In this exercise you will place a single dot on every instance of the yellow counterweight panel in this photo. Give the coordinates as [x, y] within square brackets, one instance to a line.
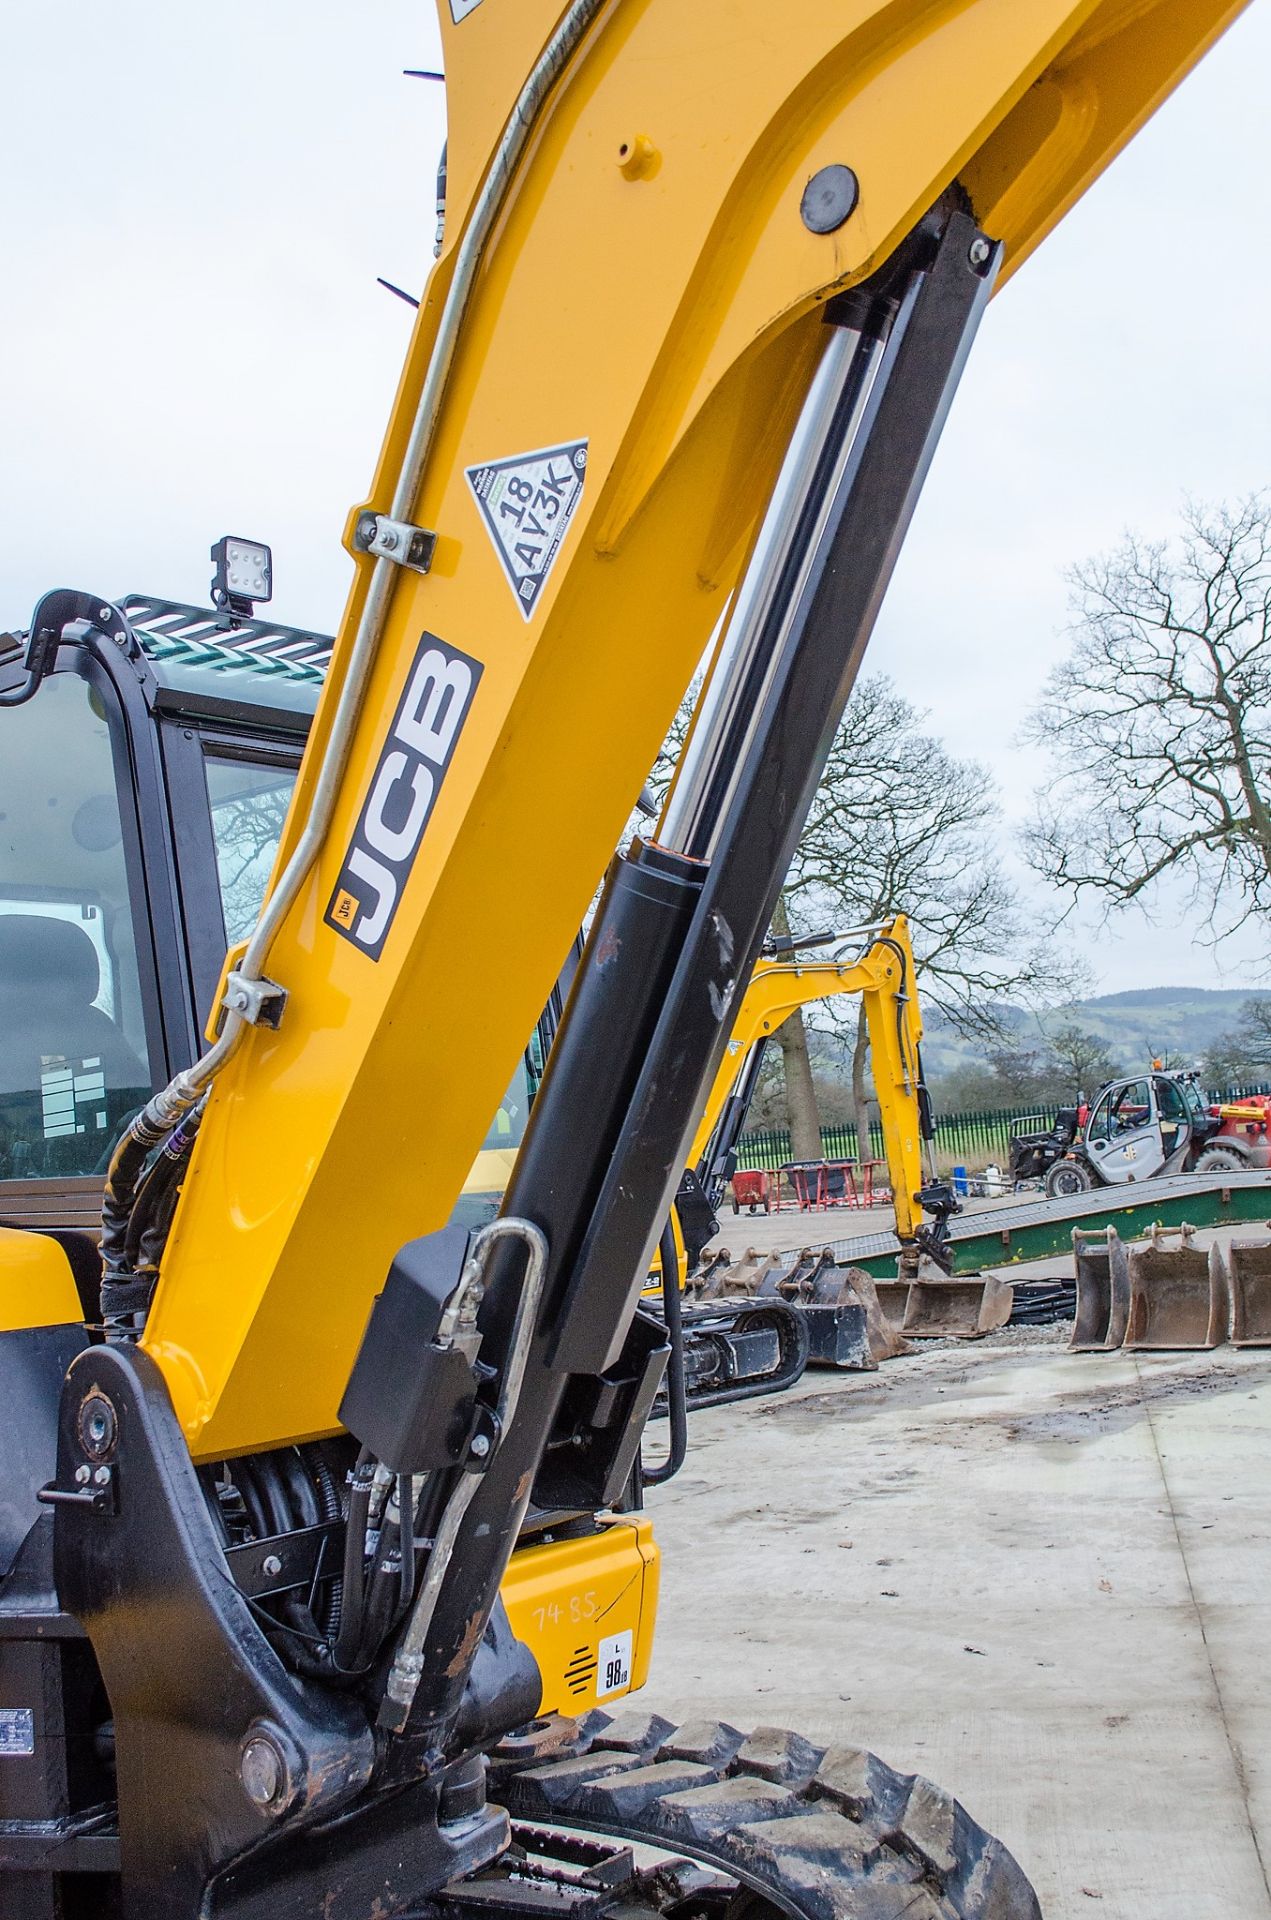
[586, 1608]
[37, 1288]
[667, 317]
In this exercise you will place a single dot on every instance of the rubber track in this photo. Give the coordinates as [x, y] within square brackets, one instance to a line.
[826, 1833]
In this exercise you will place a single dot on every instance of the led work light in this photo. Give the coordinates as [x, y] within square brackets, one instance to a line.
[244, 574]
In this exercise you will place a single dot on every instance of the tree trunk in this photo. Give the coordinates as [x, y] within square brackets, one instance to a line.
[860, 1087]
[805, 1117]
[801, 1104]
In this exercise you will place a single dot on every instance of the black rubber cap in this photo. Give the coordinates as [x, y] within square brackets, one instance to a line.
[829, 199]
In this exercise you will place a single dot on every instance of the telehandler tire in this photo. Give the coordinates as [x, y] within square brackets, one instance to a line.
[1066, 1178]
[1221, 1160]
[816, 1833]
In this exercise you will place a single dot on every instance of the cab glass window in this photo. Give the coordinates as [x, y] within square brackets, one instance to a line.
[73, 1058]
[1170, 1101]
[507, 1129]
[1123, 1110]
[249, 801]
[1131, 1108]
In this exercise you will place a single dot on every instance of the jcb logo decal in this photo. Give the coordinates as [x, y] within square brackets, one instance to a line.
[412, 766]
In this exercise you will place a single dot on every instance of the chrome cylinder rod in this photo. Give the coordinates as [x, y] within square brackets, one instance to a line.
[763, 613]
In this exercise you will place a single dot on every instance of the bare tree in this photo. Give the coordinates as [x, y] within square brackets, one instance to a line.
[899, 825]
[1158, 723]
[1244, 1053]
[1083, 1059]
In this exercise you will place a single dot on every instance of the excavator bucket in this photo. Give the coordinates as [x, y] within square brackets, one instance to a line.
[1178, 1294]
[1249, 1270]
[1103, 1290]
[832, 1310]
[886, 1342]
[960, 1308]
[893, 1298]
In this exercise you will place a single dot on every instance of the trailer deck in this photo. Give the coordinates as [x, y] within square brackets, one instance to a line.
[1037, 1228]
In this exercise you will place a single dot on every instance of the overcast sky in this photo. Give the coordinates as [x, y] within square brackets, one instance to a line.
[196, 203]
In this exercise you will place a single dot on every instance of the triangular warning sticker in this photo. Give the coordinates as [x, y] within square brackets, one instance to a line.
[527, 503]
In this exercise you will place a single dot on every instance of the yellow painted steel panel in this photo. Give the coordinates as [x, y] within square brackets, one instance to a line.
[586, 1609]
[37, 1288]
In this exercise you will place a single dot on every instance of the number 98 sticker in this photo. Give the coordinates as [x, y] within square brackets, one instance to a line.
[527, 503]
[615, 1664]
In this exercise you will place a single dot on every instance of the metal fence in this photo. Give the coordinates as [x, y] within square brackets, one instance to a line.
[973, 1138]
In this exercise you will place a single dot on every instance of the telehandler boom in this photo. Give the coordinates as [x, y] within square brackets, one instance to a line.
[709, 277]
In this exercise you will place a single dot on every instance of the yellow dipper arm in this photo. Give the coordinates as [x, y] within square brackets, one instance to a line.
[884, 977]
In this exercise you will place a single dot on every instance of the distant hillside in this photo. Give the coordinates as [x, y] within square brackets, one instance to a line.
[1134, 1025]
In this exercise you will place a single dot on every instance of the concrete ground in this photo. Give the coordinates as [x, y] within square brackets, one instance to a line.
[1042, 1579]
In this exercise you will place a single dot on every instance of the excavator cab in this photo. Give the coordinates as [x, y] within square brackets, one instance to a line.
[143, 787]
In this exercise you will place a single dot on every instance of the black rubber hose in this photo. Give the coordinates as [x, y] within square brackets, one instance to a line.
[299, 1631]
[151, 1189]
[354, 1577]
[406, 1537]
[676, 1389]
[127, 1164]
[331, 1508]
[154, 1202]
[381, 1598]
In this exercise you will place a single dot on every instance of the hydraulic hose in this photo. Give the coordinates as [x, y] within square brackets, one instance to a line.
[676, 1383]
[353, 1579]
[137, 1209]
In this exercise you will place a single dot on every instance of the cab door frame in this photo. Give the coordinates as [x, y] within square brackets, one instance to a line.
[185, 744]
[1135, 1154]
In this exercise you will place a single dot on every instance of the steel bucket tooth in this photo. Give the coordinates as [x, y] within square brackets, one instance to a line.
[1249, 1270]
[1178, 1294]
[1103, 1290]
[961, 1308]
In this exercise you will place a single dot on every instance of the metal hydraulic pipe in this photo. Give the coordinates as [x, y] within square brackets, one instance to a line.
[788, 541]
[177, 1098]
[408, 1661]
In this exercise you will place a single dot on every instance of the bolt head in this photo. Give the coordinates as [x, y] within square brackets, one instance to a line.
[102, 1477]
[97, 1426]
[978, 251]
[271, 1565]
[262, 1772]
[83, 1475]
[481, 1445]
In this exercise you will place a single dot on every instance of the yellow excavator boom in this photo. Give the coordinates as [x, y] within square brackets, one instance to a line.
[592, 451]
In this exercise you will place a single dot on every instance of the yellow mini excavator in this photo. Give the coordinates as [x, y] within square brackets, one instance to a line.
[321, 1579]
[751, 1326]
